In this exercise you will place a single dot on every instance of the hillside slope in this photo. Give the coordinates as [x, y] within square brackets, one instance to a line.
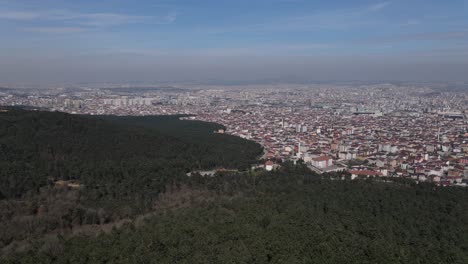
[40, 146]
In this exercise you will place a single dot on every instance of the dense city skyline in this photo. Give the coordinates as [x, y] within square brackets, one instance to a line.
[407, 131]
[240, 131]
[56, 41]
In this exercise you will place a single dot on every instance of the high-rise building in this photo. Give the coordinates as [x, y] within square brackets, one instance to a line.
[298, 128]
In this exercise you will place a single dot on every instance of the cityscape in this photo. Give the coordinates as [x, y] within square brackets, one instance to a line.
[246, 131]
[412, 131]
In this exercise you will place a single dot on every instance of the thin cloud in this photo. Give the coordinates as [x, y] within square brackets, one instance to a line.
[436, 36]
[55, 30]
[169, 19]
[107, 19]
[325, 20]
[378, 6]
[265, 49]
[17, 15]
[86, 19]
[412, 22]
[342, 18]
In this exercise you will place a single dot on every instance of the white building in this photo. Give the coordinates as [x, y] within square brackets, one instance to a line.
[322, 162]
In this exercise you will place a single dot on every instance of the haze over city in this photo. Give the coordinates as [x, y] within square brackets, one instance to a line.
[57, 41]
[260, 131]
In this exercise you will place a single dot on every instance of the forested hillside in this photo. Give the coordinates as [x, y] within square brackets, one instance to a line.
[229, 149]
[129, 200]
[288, 216]
[113, 159]
[60, 171]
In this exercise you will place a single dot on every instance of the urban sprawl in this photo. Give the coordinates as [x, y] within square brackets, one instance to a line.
[418, 132]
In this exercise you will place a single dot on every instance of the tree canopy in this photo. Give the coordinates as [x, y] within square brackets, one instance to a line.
[135, 204]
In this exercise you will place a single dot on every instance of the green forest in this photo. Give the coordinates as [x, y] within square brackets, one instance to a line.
[135, 203]
[37, 147]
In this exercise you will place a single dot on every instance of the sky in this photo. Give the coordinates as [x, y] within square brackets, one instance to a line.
[60, 41]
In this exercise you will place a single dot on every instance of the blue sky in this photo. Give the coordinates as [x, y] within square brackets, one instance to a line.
[221, 39]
